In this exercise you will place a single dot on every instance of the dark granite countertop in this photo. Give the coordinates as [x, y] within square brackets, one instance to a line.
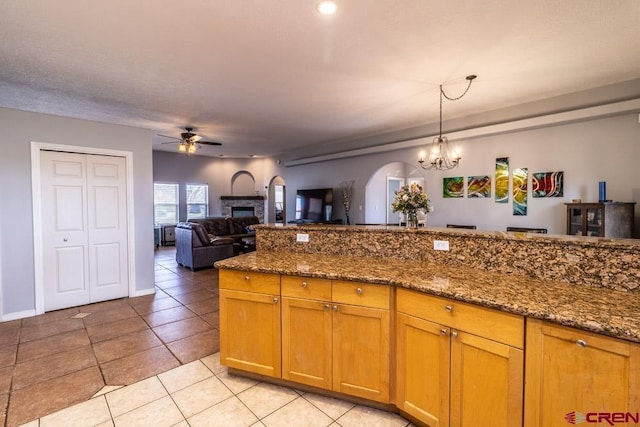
[605, 311]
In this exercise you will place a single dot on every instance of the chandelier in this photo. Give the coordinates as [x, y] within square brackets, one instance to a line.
[440, 156]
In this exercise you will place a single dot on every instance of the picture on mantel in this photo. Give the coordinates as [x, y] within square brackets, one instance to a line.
[502, 180]
[547, 184]
[520, 176]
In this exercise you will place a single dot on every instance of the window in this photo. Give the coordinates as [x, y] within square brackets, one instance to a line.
[165, 203]
[197, 200]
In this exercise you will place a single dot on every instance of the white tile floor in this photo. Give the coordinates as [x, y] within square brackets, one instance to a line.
[201, 393]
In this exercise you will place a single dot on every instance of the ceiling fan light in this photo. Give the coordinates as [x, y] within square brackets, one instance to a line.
[182, 147]
[192, 148]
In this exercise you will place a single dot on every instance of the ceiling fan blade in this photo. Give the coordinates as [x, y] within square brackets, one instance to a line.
[209, 143]
[170, 142]
[166, 136]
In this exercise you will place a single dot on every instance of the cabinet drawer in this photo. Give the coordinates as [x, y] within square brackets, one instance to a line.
[250, 281]
[363, 294]
[306, 287]
[493, 324]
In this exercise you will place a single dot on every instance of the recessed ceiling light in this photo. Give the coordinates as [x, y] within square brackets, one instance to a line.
[327, 7]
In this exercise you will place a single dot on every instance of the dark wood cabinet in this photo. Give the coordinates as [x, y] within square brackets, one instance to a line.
[608, 219]
[168, 235]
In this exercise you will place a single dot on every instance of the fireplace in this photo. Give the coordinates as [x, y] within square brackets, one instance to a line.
[243, 206]
[242, 211]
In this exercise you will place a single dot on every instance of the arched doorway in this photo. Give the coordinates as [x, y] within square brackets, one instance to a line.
[277, 200]
[380, 187]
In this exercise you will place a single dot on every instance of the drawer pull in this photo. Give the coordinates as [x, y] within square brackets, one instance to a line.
[359, 291]
[304, 284]
[443, 331]
[449, 308]
[246, 277]
[581, 343]
[335, 308]
[454, 334]
[326, 306]
[275, 300]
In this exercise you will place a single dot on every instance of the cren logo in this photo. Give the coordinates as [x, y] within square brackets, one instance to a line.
[611, 418]
[575, 417]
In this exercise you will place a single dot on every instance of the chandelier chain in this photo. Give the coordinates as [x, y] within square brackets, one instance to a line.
[463, 93]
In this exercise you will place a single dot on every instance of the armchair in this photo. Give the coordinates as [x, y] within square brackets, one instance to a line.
[195, 249]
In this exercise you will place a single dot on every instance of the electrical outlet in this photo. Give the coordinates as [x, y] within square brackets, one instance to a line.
[441, 245]
[300, 237]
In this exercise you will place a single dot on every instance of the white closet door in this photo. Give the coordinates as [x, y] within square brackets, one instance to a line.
[84, 232]
[107, 224]
[64, 229]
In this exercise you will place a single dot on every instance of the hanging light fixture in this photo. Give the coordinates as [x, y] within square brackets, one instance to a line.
[440, 156]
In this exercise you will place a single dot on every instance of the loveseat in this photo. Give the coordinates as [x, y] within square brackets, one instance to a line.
[195, 249]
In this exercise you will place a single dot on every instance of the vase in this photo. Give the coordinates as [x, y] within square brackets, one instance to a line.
[412, 219]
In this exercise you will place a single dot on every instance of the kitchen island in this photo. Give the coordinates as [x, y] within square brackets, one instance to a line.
[447, 344]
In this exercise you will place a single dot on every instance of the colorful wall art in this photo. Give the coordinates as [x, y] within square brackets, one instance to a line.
[520, 191]
[479, 186]
[502, 180]
[453, 187]
[547, 184]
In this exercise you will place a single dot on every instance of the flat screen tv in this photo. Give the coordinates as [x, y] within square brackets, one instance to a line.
[315, 205]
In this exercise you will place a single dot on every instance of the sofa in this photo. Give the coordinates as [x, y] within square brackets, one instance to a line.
[236, 228]
[196, 249]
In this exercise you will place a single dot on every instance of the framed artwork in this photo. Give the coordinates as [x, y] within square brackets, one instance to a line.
[453, 187]
[479, 186]
[502, 180]
[520, 191]
[547, 184]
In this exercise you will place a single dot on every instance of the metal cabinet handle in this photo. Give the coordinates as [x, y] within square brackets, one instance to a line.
[335, 308]
[449, 308]
[581, 343]
[275, 300]
[454, 334]
[326, 306]
[246, 277]
[443, 331]
[304, 284]
[359, 291]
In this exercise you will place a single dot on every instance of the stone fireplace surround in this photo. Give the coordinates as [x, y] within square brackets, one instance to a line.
[256, 202]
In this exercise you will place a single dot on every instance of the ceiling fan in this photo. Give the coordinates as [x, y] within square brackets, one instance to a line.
[189, 142]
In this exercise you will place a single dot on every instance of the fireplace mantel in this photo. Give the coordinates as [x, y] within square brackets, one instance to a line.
[241, 197]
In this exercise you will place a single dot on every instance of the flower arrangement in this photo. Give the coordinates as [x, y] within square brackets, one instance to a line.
[410, 199]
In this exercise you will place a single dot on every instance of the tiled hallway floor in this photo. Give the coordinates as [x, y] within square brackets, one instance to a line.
[147, 361]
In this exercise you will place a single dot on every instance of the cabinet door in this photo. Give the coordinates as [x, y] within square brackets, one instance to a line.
[486, 382]
[250, 332]
[571, 374]
[422, 369]
[306, 342]
[361, 352]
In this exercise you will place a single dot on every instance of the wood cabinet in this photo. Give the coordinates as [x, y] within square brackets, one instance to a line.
[335, 335]
[361, 333]
[250, 321]
[580, 375]
[458, 364]
[307, 331]
[168, 235]
[600, 219]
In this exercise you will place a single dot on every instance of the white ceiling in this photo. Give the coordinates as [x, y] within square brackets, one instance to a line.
[270, 76]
